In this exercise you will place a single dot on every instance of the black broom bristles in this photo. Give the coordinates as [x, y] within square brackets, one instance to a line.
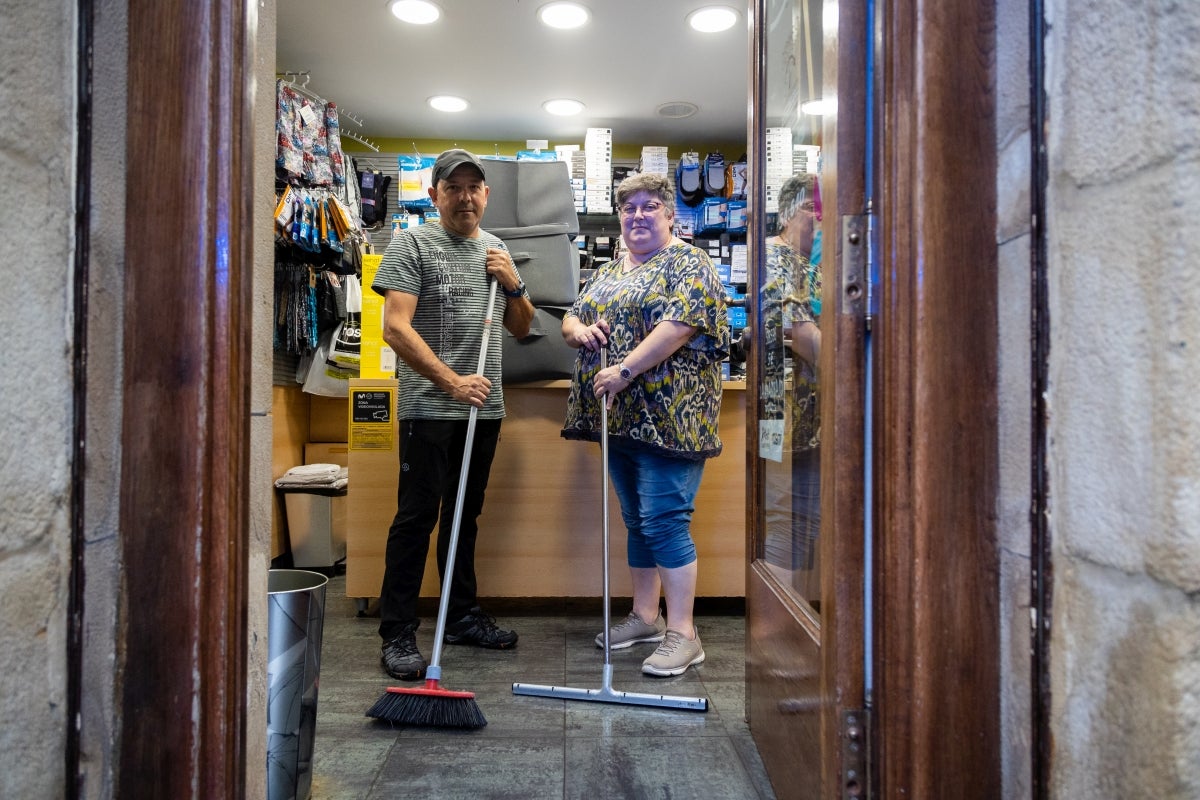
[429, 707]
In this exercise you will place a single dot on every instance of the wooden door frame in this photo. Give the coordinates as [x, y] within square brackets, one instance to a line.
[843, 356]
[937, 643]
[184, 498]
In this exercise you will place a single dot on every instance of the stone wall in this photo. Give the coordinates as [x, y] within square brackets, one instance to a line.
[262, 489]
[1124, 414]
[37, 62]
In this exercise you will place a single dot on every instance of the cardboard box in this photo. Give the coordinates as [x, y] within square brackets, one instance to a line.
[327, 453]
[326, 418]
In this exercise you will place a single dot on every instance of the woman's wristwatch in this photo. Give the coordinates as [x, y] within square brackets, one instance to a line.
[626, 373]
[517, 292]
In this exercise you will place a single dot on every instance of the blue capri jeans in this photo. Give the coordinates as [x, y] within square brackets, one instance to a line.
[657, 495]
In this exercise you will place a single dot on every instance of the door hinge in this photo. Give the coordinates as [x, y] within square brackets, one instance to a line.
[854, 264]
[856, 754]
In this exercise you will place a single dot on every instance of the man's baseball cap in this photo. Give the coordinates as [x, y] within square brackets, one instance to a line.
[451, 160]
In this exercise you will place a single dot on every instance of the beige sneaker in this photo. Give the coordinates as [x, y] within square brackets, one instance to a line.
[674, 655]
[632, 630]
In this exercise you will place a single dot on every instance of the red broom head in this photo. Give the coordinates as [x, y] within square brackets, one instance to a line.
[431, 689]
[428, 706]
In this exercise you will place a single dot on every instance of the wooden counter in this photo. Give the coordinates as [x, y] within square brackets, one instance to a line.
[541, 527]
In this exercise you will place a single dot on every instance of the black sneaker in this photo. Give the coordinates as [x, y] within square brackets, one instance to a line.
[401, 659]
[480, 629]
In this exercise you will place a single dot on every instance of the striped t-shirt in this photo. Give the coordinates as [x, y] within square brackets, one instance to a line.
[448, 273]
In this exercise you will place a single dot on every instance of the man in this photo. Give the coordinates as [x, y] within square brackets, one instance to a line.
[434, 279]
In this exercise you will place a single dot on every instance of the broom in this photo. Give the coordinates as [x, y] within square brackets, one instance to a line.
[431, 705]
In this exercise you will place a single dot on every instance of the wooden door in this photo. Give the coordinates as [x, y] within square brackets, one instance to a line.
[907, 707]
[805, 574]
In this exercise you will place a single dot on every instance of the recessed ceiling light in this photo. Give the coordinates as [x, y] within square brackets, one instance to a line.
[818, 108]
[712, 19]
[446, 102]
[418, 12]
[563, 15]
[563, 108]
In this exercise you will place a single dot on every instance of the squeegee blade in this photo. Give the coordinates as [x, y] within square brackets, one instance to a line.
[607, 695]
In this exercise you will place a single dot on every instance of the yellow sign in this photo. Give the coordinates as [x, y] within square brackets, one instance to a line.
[378, 360]
[372, 417]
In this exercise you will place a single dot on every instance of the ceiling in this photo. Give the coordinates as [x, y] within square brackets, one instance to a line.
[632, 57]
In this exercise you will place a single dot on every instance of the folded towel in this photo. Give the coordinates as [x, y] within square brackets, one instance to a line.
[306, 470]
[331, 476]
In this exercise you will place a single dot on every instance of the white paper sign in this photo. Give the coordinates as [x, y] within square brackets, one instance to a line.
[770, 439]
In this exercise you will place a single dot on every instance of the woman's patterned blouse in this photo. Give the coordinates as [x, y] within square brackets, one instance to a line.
[672, 407]
[794, 278]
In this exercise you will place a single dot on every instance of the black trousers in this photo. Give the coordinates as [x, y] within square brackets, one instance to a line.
[431, 455]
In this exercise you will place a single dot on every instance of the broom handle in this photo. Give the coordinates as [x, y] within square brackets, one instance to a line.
[434, 671]
[604, 506]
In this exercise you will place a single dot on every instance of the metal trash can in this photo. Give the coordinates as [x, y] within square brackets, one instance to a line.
[295, 616]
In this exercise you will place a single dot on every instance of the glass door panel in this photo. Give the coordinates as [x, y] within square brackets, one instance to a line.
[789, 302]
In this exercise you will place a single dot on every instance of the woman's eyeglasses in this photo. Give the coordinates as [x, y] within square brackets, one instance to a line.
[648, 210]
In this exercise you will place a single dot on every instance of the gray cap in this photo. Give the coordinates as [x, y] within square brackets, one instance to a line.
[451, 160]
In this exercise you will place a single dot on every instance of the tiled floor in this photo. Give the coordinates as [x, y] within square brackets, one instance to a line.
[535, 748]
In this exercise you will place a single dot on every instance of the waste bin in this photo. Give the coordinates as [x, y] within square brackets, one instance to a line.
[295, 616]
[316, 521]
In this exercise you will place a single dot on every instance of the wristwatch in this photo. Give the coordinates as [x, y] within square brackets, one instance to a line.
[517, 292]
[626, 373]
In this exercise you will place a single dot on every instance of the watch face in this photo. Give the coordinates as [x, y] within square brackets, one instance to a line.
[626, 373]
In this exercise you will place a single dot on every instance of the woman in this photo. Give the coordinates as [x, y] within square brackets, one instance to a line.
[659, 308]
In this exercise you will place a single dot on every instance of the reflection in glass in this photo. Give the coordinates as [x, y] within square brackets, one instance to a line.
[789, 307]
[787, 340]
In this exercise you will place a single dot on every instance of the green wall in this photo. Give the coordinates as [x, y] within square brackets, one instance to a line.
[731, 150]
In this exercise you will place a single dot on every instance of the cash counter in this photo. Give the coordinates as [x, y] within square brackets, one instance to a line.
[542, 523]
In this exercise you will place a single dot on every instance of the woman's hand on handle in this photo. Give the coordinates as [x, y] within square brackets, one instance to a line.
[593, 337]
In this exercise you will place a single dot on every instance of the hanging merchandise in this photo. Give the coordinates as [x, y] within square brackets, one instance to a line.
[347, 336]
[337, 162]
[318, 236]
[309, 140]
[735, 179]
[714, 175]
[688, 181]
[289, 155]
[735, 218]
[302, 144]
[373, 186]
[711, 215]
[302, 233]
[296, 323]
[416, 178]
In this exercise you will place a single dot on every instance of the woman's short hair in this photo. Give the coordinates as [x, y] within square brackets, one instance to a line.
[658, 186]
[796, 193]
